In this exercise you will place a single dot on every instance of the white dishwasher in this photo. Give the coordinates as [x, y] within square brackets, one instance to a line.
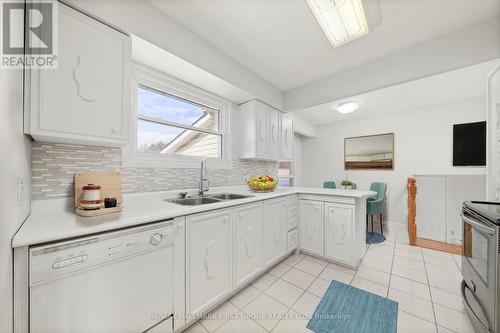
[120, 281]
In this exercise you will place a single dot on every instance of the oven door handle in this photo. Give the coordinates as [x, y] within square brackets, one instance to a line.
[466, 302]
[479, 226]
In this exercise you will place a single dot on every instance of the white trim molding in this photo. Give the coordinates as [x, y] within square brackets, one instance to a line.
[155, 79]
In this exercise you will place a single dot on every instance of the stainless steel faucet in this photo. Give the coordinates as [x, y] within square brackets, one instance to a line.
[203, 178]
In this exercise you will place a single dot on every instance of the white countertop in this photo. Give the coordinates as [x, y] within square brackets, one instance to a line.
[53, 220]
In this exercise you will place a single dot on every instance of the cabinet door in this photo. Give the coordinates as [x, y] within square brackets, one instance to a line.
[312, 226]
[286, 145]
[261, 127]
[274, 133]
[248, 231]
[275, 229]
[209, 263]
[86, 98]
[339, 240]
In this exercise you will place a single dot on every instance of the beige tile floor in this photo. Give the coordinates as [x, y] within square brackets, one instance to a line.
[424, 282]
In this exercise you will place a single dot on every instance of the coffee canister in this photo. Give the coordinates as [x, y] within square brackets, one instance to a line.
[91, 197]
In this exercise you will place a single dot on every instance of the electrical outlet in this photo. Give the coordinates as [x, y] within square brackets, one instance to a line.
[20, 190]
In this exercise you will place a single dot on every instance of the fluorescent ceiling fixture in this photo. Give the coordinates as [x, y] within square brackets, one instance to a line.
[347, 107]
[343, 20]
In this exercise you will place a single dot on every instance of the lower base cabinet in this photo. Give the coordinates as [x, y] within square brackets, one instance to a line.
[227, 248]
[248, 231]
[209, 259]
[327, 230]
[339, 240]
[312, 226]
[275, 230]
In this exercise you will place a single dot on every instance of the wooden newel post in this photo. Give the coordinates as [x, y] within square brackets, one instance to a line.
[412, 210]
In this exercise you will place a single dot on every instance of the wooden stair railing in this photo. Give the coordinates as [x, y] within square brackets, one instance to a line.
[412, 211]
[412, 225]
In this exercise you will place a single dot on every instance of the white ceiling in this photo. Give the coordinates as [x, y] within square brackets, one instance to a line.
[281, 41]
[468, 82]
[151, 55]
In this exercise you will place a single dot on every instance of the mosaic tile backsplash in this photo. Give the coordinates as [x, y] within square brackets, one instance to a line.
[54, 165]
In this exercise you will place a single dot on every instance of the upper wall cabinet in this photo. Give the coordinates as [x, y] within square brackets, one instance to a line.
[87, 98]
[264, 133]
[286, 146]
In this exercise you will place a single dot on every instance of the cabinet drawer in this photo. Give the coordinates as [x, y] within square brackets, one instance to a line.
[292, 240]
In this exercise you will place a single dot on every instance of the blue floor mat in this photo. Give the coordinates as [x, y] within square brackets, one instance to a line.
[348, 309]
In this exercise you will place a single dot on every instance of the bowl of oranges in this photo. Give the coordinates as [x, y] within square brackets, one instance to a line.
[262, 184]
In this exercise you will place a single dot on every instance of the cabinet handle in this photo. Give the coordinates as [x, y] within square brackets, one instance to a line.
[276, 238]
[260, 130]
[211, 263]
[316, 208]
[249, 242]
[226, 220]
[273, 133]
[341, 240]
[240, 215]
[114, 129]
[286, 137]
[311, 231]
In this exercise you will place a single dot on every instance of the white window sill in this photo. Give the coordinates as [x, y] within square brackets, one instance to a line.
[146, 160]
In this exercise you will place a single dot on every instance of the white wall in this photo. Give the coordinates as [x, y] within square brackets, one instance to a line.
[297, 161]
[15, 149]
[423, 145]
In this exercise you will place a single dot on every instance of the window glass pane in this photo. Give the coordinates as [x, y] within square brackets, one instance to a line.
[153, 103]
[284, 169]
[284, 182]
[163, 139]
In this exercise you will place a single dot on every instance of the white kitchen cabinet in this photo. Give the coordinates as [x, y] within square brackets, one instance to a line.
[274, 132]
[275, 230]
[209, 259]
[262, 134]
[339, 240]
[87, 98]
[248, 241]
[312, 221]
[286, 130]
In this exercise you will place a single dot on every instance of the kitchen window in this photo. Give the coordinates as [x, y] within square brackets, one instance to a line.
[176, 124]
[285, 176]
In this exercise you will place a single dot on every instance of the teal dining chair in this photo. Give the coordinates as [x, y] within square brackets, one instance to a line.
[375, 204]
[329, 184]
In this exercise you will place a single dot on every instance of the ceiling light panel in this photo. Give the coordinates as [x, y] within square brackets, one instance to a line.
[341, 20]
[347, 107]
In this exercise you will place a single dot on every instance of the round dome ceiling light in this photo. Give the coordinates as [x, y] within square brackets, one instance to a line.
[347, 107]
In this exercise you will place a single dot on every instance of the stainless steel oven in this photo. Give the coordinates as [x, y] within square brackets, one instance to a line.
[480, 264]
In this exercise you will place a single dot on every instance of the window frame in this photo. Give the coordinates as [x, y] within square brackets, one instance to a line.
[154, 79]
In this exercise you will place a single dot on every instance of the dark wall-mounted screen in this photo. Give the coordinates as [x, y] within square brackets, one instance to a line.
[469, 144]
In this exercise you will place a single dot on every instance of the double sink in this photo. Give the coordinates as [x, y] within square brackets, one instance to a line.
[208, 199]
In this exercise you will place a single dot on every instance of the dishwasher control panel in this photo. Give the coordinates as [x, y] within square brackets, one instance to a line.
[52, 261]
